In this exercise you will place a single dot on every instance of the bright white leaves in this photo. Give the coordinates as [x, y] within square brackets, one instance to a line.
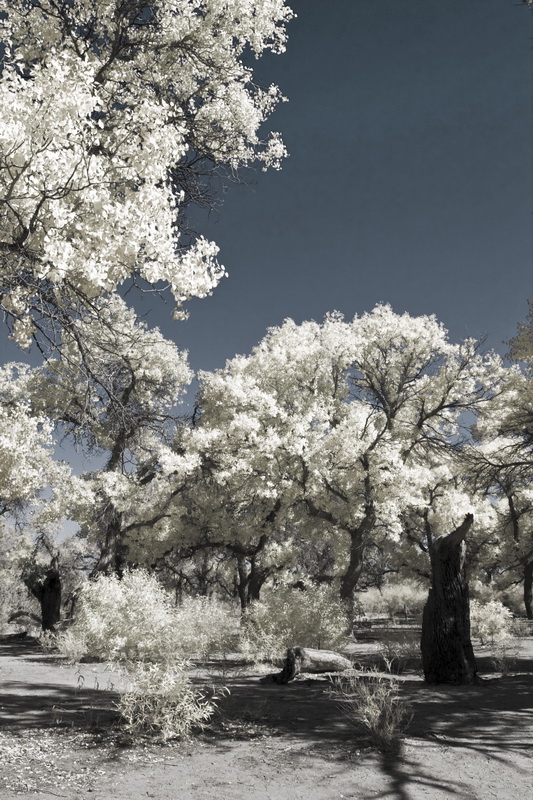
[114, 389]
[101, 102]
[345, 414]
[27, 466]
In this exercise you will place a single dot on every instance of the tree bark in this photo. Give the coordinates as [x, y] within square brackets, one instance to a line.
[251, 574]
[358, 541]
[447, 653]
[51, 599]
[305, 659]
[113, 555]
[528, 589]
[47, 591]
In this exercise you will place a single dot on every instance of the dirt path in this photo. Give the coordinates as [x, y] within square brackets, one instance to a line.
[269, 743]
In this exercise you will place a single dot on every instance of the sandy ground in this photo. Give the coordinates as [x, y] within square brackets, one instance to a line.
[268, 743]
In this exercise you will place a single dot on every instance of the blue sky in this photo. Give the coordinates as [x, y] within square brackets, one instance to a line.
[409, 125]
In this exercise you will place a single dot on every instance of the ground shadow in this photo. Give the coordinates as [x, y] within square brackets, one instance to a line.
[47, 705]
[31, 703]
[493, 718]
[19, 645]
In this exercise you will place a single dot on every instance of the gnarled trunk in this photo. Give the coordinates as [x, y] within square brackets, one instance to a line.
[358, 541]
[47, 591]
[113, 556]
[51, 599]
[447, 653]
[251, 576]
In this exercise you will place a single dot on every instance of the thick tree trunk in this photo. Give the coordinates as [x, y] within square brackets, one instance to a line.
[251, 574]
[113, 556]
[47, 591]
[51, 599]
[258, 576]
[528, 589]
[305, 659]
[242, 582]
[447, 653]
[358, 540]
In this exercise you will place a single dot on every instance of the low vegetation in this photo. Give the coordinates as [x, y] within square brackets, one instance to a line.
[372, 703]
[314, 617]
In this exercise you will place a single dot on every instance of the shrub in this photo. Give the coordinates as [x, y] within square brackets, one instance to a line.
[511, 596]
[206, 626]
[504, 657]
[373, 704]
[134, 619]
[14, 597]
[521, 628]
[393, 599]
[162, 703]
[490, 622]
[315, 617]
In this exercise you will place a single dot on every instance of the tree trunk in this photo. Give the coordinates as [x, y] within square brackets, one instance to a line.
[51, 598]
[528, 589]
[47, 591]
[242, 581]
[305, 659]
[113, 556]
[447, 653]
[358, 540]
[251, 575]
[258, 576]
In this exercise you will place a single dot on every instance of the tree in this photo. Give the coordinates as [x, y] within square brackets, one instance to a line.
[115, 114]
[502, 463]
[36, 491]
[208, 529]
[339, 420]
[43, 581]
[113, 390]
[447, 653]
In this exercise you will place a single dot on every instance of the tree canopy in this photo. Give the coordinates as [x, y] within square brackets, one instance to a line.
[115, 113]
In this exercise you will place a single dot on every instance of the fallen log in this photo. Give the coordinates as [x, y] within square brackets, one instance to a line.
[304, 659]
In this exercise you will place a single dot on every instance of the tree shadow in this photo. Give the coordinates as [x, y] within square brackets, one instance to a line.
[15, 645]
[25, 706]
[493, 718]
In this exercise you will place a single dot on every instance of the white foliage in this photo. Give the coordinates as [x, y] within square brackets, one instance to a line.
[27, 466]
[101, 101]
[347, 415]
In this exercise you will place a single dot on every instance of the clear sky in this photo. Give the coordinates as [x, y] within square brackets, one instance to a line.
[409, 126]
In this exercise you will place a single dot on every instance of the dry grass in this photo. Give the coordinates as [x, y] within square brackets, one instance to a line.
[372, 703]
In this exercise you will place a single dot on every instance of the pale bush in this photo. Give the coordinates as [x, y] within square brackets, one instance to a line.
[162, 703]
[206, 626]
[134, 619]
[372, 702]
[286, 618]
[395, 598]
[15, 597]
[490, 622]
[511, 596]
